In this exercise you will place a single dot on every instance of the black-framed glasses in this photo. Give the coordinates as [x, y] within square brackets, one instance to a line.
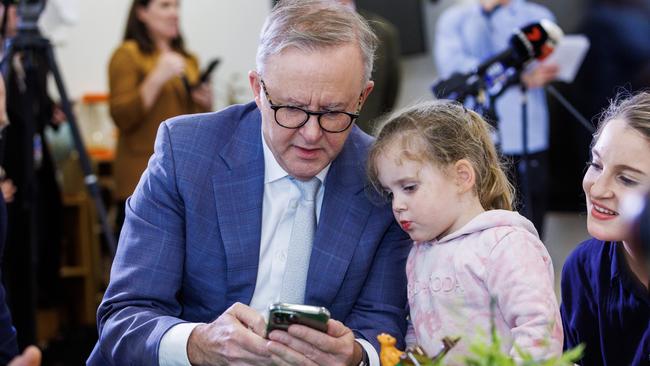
[293, 117]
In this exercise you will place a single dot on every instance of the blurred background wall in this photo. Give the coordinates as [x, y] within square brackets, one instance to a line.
[212, 28]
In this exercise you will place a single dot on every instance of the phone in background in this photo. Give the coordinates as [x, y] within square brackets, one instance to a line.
[282, 315]
[205, 74]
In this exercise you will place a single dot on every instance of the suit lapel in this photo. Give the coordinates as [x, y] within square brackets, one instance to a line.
[238, 192]
[343, 217]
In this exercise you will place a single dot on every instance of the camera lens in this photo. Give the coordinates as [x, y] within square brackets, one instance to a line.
[278, 318]
[293, 318]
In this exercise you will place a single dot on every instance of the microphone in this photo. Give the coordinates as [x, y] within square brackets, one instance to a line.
[534, 41]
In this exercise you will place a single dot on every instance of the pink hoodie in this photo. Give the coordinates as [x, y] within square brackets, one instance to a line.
[450, 282]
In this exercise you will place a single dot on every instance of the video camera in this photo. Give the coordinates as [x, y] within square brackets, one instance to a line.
[40, 57]
[28, 12]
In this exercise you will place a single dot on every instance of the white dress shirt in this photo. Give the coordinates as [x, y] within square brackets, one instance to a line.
[279, 205]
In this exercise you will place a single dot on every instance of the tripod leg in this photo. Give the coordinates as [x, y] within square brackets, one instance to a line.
[523, 166]
[89, 177]
[565, 103]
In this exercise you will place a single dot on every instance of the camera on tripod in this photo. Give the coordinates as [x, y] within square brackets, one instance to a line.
[28, 13]
[40, 62]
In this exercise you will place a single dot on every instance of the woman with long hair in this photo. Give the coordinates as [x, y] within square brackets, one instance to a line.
[152, 78]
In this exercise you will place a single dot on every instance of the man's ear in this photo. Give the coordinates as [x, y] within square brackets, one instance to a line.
[366, 91]
[465, 175]
[254, 81]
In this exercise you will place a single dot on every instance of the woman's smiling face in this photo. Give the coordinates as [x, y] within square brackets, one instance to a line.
[620, 166]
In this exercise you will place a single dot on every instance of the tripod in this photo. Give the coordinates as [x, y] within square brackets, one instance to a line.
[29, 39]
[31, 46]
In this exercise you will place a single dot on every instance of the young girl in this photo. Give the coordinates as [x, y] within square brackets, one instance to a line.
[436, 163]
[605, 297]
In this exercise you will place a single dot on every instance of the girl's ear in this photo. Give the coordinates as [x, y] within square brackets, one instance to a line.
[465, 175]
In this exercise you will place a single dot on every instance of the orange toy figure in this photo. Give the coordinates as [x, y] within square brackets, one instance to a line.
[389, 354]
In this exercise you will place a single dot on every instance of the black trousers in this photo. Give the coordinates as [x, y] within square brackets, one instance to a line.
[530, 178]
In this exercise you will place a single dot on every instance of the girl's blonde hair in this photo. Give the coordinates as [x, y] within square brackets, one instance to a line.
[442, 133]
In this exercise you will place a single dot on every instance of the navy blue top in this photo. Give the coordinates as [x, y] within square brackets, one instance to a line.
[605, 306]
[643, 352]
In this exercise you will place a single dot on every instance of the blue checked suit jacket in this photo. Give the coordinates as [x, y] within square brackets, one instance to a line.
[189, 248]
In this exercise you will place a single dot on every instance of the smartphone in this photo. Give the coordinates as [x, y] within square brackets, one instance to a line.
[282, 315]
[205, 75]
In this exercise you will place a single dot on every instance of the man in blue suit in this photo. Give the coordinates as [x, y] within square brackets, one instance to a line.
[204, 246]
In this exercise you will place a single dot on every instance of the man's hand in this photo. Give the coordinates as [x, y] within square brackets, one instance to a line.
[302, 345]
[30, 357]
[235, 338]
[539, 76]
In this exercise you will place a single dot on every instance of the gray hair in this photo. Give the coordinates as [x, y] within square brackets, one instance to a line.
[309, 25]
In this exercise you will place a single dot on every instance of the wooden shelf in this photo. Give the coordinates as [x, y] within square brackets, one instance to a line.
[81, 264]
[73, 271]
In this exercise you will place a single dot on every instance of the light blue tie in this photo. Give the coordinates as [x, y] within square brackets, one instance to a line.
[300, 244]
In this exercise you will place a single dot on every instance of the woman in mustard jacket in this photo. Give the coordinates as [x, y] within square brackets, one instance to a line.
[152, 78]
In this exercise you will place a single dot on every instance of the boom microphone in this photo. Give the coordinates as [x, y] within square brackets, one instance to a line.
[534, 41]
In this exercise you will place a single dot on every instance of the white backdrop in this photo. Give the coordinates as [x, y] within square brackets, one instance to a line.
[228, 29]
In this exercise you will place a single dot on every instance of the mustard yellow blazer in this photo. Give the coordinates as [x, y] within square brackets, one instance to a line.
[137, 128]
